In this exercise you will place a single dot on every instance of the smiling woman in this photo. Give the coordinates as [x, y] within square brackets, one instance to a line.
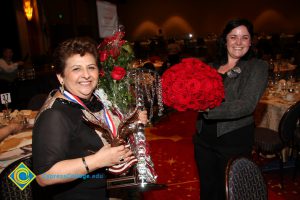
[80, 75]
[228, 130]
[238, 43]
[63, 141]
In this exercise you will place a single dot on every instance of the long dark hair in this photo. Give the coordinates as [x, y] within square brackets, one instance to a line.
[222, 48]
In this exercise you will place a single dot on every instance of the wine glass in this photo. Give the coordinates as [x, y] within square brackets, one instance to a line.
[290, 83]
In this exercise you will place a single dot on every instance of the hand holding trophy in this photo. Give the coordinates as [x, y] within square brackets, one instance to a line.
[123, 92]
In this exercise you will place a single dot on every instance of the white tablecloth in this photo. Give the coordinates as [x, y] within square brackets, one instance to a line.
[272, 107]
[15, 147]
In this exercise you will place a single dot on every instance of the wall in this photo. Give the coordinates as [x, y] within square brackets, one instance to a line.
[61, 19]
[177, 18]
[9, 33]
[70, 18]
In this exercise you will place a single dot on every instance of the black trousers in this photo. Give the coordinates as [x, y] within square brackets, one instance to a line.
[212, 156]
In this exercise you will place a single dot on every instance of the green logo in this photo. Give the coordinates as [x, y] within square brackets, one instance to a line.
[22, 176]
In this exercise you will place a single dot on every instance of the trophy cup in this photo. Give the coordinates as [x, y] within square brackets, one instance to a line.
[141, 173]
[124, 91]
[138, 172]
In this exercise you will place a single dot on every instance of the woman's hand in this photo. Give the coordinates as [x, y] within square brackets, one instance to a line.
[143, 117]
[204, 111]
[9, 129]
[15, 127]
[109, 155]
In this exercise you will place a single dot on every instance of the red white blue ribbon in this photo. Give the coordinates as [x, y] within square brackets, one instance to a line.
[108, 118]
[74, 99]
[109, 121]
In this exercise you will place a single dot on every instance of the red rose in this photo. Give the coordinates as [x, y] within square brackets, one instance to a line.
[115, 52]
[101, 73]
[193, 85]
[118, 73]
[103, 56]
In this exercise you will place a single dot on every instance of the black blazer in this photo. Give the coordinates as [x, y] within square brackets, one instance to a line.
[241, 97]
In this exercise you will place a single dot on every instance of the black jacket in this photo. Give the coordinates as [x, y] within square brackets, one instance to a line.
[241, 97]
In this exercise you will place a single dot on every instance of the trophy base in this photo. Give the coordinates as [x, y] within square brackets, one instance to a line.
[121, 182]
[127, 188]
[130, 183]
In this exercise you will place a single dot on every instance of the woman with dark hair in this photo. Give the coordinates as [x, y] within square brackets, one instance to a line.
[228, 130]
[69, 155]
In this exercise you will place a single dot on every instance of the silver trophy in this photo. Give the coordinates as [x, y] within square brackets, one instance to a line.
[146, 85]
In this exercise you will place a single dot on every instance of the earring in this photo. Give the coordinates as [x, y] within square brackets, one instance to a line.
[62, 89]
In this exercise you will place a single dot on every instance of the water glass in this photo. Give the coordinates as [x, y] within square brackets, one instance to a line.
[6, 114]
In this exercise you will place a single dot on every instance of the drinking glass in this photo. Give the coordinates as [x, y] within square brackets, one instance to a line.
[6, 114]
[291, 82]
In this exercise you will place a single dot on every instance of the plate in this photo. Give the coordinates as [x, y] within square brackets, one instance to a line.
[25, 112]
[9, 155]
[16, 141]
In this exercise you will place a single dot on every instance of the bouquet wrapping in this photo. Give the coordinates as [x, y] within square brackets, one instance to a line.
[116, 56]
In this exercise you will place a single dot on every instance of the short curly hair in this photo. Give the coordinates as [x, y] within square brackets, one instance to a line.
[70, 47]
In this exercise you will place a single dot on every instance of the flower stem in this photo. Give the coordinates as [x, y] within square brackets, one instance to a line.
[114, 92]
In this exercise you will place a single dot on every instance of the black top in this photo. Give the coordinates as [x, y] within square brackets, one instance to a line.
[207, 133]
[60, 133]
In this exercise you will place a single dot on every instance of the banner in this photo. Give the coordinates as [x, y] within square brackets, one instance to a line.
[107, 18]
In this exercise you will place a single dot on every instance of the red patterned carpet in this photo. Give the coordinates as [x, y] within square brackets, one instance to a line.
[172, 153]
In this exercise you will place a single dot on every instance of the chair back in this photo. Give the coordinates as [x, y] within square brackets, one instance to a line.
[288, 123]
[244, 180]
[8, 189]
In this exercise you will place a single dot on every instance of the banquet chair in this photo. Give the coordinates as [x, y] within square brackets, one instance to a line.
[270, 142]
[297, 150]
[244, 180]
[9, 190]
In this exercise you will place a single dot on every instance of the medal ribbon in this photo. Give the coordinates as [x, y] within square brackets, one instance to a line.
[108, 119]
[74, 99]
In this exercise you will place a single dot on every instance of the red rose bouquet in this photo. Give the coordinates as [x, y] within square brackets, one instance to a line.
[116, 56]
[192, 85]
